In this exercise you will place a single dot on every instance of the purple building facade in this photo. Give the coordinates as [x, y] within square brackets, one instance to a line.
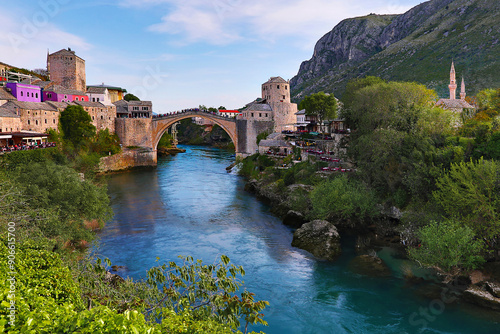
[49, 95]
[25, 92]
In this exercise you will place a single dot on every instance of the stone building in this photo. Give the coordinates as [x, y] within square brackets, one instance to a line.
[454, 104]
[133, 109]
[58, 93]
[115, 93]
[34, 116]
[99, 94]
[274, 105]
[102, 116]
[6, 96]
[66, 69]
[10, 121]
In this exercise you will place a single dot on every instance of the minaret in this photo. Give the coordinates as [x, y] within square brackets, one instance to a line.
[462, 90]
[48, 64]
[453, 83]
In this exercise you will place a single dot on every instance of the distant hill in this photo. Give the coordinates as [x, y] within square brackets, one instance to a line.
[418, 45]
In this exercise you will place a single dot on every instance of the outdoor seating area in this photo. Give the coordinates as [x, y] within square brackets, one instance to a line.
[25, 147]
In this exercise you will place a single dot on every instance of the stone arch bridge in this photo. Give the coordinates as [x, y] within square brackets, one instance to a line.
[146, 132]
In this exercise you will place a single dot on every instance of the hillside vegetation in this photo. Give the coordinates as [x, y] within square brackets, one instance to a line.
[418, 45]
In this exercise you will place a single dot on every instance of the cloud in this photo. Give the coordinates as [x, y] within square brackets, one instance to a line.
[226, 21]
[25, 37]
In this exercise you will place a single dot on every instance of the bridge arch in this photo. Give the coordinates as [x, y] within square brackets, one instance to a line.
[161, 124]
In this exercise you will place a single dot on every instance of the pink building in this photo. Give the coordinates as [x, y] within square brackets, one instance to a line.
[61, 94]
[25, 92]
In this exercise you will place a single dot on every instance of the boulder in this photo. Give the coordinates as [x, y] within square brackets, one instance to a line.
[480, 297]
[294, 219]
[369, 265]
[493, 288]
[320, 238]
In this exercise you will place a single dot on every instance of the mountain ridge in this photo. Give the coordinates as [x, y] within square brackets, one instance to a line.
[418, 45]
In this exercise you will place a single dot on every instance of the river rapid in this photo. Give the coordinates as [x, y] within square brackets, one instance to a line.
[190, 205]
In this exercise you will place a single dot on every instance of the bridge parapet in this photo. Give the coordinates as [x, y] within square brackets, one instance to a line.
[189, 114]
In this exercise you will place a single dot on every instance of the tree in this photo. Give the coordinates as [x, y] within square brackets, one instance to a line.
[321, 105]
[356, 84]
[470, 192]
[131, 97]
[76, 125]
[449, 246]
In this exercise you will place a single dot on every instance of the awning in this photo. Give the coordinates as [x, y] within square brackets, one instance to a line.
[5, 136]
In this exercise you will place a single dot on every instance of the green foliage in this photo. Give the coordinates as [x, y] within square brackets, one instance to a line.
[449, 246]
[356, 84]
[208, 291]
[262, 135]
[251, 166]
[470, 192]
[345, 198]
[131, 97]
[105, 143]
[321, 105]
[165, 140]
[76, 125]
[15, 159]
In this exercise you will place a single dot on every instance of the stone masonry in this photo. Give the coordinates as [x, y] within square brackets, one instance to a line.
[67, 70]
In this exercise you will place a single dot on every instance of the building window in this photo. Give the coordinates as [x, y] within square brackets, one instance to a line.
[101, 117]
[97, 99]
[93, 99]
[45, 121]
[283, 97]
[92, 117]
[54, 121]
[260, 114]
[286, 87]
[252, 114]
[36, 122]
[21, 93]
[278, 86]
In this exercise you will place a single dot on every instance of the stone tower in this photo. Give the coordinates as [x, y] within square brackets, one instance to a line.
[67, 69]
[453, 83]
[462, 90]
[276, 92]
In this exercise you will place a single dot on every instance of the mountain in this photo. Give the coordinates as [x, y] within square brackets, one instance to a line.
[418, 45]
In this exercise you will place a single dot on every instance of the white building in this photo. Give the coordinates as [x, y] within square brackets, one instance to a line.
[99, 94]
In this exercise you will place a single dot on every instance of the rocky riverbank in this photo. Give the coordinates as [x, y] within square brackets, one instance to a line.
[322, 239]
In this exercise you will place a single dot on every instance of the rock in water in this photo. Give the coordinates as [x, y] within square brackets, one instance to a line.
[320, 238]
[369, 265]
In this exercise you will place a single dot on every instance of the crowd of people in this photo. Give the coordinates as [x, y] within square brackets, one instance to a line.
[183, 111]
[25, 146]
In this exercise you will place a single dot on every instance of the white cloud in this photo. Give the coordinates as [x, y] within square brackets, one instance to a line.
[226, 21]
[24, 42]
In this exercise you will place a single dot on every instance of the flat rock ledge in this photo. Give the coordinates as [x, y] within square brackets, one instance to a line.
[320, 238]
[482, 297]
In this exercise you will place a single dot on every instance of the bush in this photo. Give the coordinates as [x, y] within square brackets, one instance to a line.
[449, 246]
[343, 198]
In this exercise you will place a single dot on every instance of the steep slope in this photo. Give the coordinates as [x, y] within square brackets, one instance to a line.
[416, 46]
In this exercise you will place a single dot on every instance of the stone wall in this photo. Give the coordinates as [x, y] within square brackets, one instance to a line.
[39, 120]
[128, 159]
[247, 135]
[10, 124]
[284, 115]
[103, 117]
[67, 70]
[134, 131]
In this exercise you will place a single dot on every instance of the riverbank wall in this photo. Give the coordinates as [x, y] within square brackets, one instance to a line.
[128, 159]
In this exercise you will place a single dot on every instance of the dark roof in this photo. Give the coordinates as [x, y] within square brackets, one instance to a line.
[108, 87]
[43, 84]
[33, 105]
[276, 80]
[6, 95]
[258, 106]
[58, 105]
[61, 90]
[65, 52]
[96, 90]
[8, 110]
[454, 104]
[90, 104]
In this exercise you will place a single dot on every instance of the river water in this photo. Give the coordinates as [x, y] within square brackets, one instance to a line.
[190, 205]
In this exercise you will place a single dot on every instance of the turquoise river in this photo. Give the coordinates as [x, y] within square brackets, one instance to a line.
[190, 205]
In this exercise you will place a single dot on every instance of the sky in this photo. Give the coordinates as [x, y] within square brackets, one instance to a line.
[179, 53]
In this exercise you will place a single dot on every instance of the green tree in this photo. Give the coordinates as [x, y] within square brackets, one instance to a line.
[131, 97]
[470, 192]
[354, 85]
[76, 125]
[448, 246]
[321, 105]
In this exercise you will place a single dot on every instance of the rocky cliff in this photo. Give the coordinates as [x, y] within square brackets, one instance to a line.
[415, 46]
